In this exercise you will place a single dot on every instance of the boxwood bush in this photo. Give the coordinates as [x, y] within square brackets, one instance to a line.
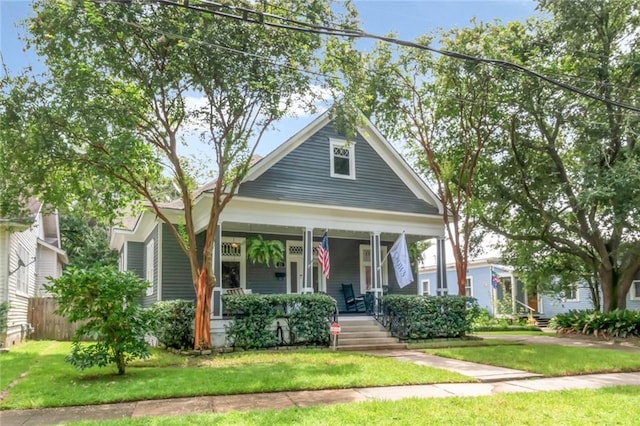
[617, 323]
[428, 317]
[173, 323]
[254, 316]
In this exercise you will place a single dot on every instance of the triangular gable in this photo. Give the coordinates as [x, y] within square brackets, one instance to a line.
[372, 136]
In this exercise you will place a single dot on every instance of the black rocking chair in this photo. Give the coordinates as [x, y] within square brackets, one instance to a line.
[352, 303]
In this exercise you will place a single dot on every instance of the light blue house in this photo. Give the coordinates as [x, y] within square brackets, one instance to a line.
[505, 293]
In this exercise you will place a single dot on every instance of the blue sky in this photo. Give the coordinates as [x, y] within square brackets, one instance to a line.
[408, 19]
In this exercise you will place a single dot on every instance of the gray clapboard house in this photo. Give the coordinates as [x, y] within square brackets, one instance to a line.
[361, 192]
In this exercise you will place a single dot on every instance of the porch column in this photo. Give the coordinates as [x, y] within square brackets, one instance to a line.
[307, 248]
[441, 267]
[376, 268]
[216, 302]
[514, 294]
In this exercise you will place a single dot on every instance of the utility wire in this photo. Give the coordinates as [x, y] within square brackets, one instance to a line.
[252, 16]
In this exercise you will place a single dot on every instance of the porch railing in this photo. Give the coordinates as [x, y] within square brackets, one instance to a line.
[527, 307]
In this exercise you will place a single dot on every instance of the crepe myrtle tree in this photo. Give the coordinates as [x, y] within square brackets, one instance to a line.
[127, 85]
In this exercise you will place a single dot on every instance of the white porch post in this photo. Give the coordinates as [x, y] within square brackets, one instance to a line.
[514, 294]
[216, 311]
[376, 268]
[307, 249]
[441, 265]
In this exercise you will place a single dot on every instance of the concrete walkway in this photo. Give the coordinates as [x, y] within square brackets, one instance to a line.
[282, 400]
[493, 380]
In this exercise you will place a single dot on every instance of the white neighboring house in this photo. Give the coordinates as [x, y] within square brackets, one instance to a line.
[30, 251]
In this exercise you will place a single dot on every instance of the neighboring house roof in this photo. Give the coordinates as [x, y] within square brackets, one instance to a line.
[31, 208]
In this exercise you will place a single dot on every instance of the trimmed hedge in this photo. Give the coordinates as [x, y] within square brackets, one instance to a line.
[428, 317]
[252, 327]
[617, 323]
[173, 323]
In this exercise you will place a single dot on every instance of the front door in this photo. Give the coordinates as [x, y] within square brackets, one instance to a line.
[295, 270]
[532, 301]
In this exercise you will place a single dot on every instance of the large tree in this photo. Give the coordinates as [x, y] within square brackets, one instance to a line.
[129, 84]
[567, 176]
[444, 110]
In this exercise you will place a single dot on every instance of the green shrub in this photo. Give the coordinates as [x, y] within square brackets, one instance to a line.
[427, 317]
[254, 315]
[484, 321]
[617, 323]
[105, 300]
[173, 323]
[309, 317]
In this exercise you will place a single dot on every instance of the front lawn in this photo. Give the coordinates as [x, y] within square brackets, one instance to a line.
[460, 343]
[549, 360]
[607, 406]
[50, 382]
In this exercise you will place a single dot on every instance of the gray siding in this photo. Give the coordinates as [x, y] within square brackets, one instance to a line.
[148, 300]
[345, 268]
[304, 176]
[176, 270]
[135, 258]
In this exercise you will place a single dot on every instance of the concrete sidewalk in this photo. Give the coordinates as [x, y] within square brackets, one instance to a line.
[494, 380]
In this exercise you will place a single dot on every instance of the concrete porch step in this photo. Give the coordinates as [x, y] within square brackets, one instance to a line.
[363, 329]
[364, 334]
[366, 341]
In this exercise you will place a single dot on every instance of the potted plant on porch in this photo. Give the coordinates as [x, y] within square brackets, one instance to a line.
[268, 252]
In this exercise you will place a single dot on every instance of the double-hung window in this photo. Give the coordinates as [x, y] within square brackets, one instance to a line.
[342, 159]
[150, 266]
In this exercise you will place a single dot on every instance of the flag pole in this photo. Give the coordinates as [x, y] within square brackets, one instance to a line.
[384, 259]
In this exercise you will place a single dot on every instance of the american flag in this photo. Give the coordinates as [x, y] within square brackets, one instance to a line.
[323, 255]
[494, 278]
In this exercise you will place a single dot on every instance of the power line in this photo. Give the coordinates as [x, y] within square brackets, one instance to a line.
[255, 17]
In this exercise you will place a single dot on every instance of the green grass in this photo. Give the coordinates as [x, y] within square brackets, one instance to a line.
[607, 406]
[549, 360]
[50, 382]
[513, 333]
[16, 362]
[457, 343]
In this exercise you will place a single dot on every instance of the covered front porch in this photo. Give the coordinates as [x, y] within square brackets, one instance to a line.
[359, 242]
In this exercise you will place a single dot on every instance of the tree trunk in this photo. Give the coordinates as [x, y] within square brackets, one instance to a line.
[461, 271]
[202, 338]
[612, 296]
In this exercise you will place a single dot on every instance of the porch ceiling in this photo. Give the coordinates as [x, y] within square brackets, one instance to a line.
[317, 232]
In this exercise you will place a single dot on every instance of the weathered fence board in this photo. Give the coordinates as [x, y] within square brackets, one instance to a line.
[46, 324]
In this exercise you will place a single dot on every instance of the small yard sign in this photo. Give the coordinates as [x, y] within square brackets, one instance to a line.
[335, 328]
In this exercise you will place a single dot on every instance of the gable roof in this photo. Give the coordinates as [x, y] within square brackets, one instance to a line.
[30, 210]
[375, 139]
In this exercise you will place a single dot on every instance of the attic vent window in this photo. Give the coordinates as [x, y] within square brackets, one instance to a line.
[342, 159]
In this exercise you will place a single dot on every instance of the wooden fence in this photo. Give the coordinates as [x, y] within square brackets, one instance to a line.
[46, 324]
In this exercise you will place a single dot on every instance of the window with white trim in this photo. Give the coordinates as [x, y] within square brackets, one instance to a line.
[468, 287]
[149, 269]
[366, 281]
[635, 290]
[22, 276]
[343, 163]
[570, 294]
[424, 285]
[441, 290]
[233, 257]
